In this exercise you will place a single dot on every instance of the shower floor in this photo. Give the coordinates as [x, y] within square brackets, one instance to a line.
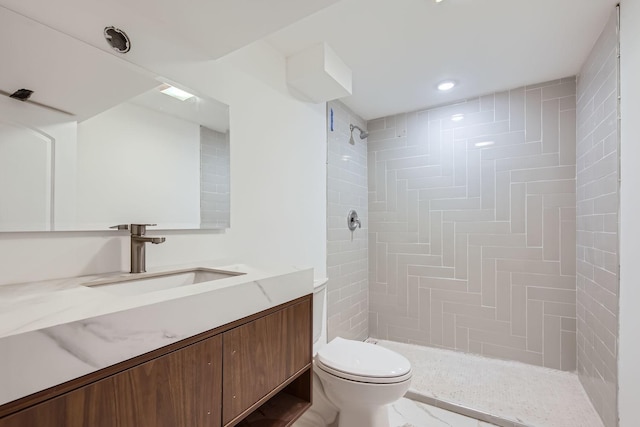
[509, 394]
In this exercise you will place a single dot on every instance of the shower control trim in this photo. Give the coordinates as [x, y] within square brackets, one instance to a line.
[353, 221]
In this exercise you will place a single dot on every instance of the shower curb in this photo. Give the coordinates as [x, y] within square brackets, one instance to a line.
[463, 410]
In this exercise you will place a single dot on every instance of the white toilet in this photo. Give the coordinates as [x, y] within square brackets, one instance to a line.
[357, 379]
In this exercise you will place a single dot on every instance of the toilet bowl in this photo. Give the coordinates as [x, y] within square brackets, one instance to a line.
[361, 379]
[353, 381]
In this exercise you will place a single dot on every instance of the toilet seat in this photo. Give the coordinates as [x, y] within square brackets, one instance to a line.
[363, 362]
[361, 379]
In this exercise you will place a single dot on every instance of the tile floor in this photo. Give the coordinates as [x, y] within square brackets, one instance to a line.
[409, 413]
[515, 394]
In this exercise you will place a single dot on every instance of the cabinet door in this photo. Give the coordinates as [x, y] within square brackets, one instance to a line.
[181, 389]
[260, 355]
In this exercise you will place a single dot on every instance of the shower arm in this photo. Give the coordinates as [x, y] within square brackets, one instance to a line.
[352, 127]
[363, 133]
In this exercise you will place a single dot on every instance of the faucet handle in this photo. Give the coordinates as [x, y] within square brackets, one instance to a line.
[140, 229]
[120, 227]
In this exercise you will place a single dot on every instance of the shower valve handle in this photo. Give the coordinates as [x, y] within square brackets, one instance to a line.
[353, 221]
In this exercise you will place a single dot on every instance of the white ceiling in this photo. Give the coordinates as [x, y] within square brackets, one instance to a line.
[400, 49]
[50, 47]
[212, 27]
[78, 78]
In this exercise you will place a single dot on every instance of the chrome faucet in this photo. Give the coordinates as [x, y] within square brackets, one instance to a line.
[138, 240]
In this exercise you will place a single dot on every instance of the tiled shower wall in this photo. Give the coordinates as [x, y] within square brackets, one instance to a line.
[348, 286]
[215, 191]
[472, 226]
[597, 224]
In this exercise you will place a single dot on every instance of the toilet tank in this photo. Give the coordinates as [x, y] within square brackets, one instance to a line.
[319, 312]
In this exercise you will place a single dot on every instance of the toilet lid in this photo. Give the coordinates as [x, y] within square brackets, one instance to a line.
[363, 359]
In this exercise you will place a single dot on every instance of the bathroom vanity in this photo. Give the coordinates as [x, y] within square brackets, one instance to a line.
[225, 352]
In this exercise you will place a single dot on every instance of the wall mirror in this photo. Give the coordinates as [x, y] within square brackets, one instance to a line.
[102, 142]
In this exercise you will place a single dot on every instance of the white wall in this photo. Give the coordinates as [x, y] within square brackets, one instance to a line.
[629, 344]
[278, 184]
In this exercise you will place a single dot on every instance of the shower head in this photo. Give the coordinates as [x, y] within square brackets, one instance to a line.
[363, 134]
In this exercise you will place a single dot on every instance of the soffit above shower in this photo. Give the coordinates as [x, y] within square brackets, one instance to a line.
[400, 50]
[318, 75]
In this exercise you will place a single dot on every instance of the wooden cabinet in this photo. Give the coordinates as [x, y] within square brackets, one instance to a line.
[255, 371]
[261, 355]
[182, 388]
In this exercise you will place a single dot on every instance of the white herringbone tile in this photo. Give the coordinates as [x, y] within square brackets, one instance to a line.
[347, 252]
[597, 244]
[461, 207]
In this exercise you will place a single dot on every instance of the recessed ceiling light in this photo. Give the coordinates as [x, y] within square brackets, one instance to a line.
[446, 85]
[457, 117]
[176, 93]
[484, 144]
[439, 1]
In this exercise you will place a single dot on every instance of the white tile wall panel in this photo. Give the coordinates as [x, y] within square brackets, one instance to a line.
[484, 259]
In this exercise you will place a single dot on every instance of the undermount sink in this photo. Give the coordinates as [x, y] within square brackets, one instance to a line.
[153, 282]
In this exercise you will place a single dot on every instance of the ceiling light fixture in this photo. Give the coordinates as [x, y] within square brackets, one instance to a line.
[446, 85]
[457, 117]
[439, 1]
[484, 144]
[176, 93]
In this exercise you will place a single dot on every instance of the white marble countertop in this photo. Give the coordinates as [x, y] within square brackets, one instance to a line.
[58, 330]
